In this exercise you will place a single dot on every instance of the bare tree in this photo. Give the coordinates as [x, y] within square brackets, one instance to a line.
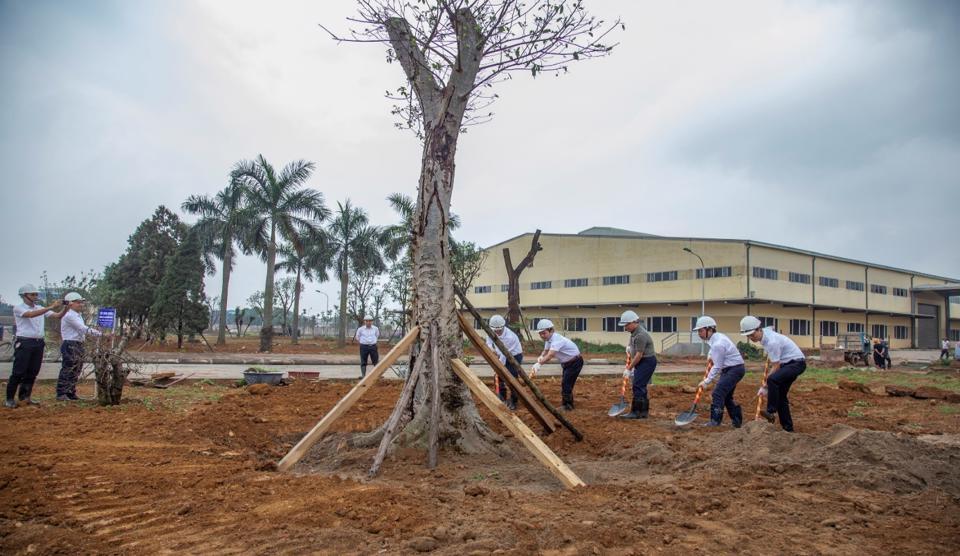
[513, 278]
[451, 53]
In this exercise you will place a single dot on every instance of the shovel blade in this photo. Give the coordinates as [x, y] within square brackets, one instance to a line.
[619, 408]
[686, 417]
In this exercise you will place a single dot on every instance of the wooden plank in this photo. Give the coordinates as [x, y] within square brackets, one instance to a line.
[298, 451]
[521, 373]
[501, 370]
[526, 436]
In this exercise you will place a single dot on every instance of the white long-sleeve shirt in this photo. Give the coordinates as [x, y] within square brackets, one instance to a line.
[72, 328]
[723, 353]
[367, 336]
[779, 348]
[510, 341]
[28, 327]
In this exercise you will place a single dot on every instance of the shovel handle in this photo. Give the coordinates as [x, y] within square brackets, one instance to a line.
[766, 369]
[696, 399]
[623, 387]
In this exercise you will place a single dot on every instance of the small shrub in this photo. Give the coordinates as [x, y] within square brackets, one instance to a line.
[750, 351]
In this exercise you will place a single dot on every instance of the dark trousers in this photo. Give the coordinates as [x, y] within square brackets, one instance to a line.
[27, 358]
[642, 374]
[571, 370]
[368, 352]
[723, 395]
[515, 372]
[71, 353]
[944, 354]
[778, 385]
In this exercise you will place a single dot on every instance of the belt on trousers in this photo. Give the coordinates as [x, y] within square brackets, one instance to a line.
[72, 342]
[24, 338]
[791, 361]
[572, 361]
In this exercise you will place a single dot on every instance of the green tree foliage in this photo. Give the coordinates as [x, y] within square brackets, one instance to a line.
[222, 219]
[281, 208]
[180, 304]
[308, 262]
[466, 263]
[131, 283]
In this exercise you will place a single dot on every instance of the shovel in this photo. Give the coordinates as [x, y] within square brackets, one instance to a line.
[620, 408]
[690, 416]
[766, 369]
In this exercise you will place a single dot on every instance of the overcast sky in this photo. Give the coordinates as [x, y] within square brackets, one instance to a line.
[829, 126]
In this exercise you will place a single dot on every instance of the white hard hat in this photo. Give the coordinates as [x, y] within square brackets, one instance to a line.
[748, 324]
[627, 317]
[73, 296]
[544, 324]
[704, 322]
[367, 317]
[496, 321]
[28, 288]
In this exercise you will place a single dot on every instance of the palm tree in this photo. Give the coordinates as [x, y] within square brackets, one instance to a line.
[281, 208]
[221, 219]
[355, 246]
[310, 262]
[396, 238]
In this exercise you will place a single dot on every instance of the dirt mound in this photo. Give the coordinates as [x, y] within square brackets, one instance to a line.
[884, 461]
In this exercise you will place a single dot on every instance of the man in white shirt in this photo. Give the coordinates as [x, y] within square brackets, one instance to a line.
[367, 336]
[73, 331]
[510, 341]
[727, 364]
[945, 349]
[786, 364]
[27, 346]
[566, 352]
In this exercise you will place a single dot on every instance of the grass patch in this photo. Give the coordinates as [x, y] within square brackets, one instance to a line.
[949, 409]
[861, 403]
[665, 380]
[854, 413]
[831, 376]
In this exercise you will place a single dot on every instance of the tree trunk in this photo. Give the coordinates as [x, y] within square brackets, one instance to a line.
[227, 262]
[110, 373]
[513, 279]
[266, 330]
[344, 279]
[295, 335]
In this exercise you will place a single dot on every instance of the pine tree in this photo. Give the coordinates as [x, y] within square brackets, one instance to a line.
[180, 306]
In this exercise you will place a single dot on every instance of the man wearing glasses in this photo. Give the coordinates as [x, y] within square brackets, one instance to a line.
[28, 345]
[73, 331]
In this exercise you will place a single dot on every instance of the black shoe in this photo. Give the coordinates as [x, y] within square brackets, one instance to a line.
[631, 415]
[711, 424]
[767, 415]
[512, 405]
[567, 406]
[63, 398]
[644, 408]
[10, 403]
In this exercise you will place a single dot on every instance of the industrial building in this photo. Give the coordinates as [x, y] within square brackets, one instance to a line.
[582, 282]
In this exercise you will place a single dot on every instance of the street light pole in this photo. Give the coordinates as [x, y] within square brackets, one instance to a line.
[703, 289]
[327, 297]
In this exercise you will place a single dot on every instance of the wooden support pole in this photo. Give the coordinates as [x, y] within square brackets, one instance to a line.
[522, 374]
[500, 370]
[526, 436]
[300, 450]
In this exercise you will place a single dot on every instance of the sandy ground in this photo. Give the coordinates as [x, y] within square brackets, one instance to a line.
[188, 470]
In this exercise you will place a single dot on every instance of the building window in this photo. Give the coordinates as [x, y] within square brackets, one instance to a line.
[765, 273]
[482, 289]
[799, 278]
[534, 321]
[575, 324]
[575, 283]
[900, 292]
[799, 327]
[877, 288]
[477, 324]
[901, 332]
[855, 286]
[612, 324]
[504, 287]
[829, 328]
[546, 285]
[878, 330]
[828, 282]
[616, 280]
[854, 327]
[662, 324]
[955, 335]
[665, 276]
[768, 322]
[715, 272]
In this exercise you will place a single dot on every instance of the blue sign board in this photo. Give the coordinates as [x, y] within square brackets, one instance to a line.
[107, 317]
